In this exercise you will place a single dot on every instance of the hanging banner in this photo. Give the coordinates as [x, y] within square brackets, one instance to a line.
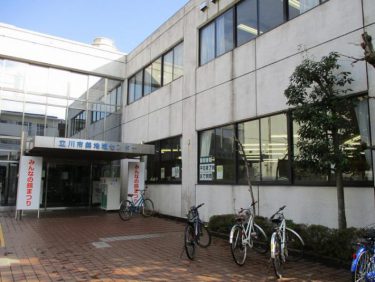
[136, 179]
[29, 183]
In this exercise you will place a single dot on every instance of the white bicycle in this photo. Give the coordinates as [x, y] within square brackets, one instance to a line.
[246, 234]
[285, 243]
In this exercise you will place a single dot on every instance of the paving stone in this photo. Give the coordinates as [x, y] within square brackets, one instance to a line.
[68, 246]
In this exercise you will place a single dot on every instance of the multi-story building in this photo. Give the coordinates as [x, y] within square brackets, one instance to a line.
[213, 71]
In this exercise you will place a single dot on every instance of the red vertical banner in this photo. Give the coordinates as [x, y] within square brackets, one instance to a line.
[136, 179]
[29, 183]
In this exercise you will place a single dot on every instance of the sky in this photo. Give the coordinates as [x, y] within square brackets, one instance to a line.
[126, 22]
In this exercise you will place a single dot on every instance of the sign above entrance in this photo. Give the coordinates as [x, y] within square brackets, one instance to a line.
[94, 145]
[82, 148]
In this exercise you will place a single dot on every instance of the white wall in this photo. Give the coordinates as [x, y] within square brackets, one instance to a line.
[309, 205]
[242, 84]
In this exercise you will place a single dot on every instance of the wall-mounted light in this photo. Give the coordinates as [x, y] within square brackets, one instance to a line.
[203, 6]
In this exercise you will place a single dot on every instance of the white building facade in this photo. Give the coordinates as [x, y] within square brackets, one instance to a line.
[215, 70]
[236, 62]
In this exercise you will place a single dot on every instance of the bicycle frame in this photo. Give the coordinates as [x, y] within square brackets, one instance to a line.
[137, 204]
[247, 230]
[280, 230]
[370, 275]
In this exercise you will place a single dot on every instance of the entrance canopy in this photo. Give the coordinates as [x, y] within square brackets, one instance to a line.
[56, 147]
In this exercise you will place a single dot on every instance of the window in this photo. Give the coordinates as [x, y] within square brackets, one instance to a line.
[165, 166]
[108, 105]
[217, 155]
[268, 147]
[78, 122]
[156, 75]
[296, 8]
[168, 67]
[207, 43]
[247, 21]
[271, 14]
[162, 71]
[40, 129]
[265, 143]
[360, 163]
[178, 61]
[224, 33]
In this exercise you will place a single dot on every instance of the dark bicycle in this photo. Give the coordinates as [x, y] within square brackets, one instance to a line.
[140, 205]
[196, 233]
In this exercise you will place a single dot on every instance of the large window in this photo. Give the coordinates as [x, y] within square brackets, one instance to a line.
[360, 164]
[217, 155]
[78, 122]
[269, 142]
[160, 72]
[165, 166]
[107, 104]
[245, 21]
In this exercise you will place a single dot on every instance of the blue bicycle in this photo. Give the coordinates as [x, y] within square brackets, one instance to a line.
[363, 264]
[141, 205]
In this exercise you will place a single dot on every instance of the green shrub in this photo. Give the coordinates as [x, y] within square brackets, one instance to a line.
[320, 241]
[221, 223]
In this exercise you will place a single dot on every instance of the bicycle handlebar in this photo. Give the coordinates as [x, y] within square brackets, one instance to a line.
[280, 209]
[197, 207]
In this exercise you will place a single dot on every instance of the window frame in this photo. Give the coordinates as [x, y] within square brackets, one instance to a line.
[162, 84]
[290, 146]
[286, 18]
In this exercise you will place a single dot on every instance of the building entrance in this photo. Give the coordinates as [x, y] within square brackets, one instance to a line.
[8, 183]
[66, 185]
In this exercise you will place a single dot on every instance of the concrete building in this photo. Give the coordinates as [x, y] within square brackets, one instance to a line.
[214, 70]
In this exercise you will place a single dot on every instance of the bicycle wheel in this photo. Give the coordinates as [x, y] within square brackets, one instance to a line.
[361, 268]
[204, 239]
[277, 261]
[147, 208]
[125, 210]
[189, 241]
[294, 246]
[259, 239]
[238, 245]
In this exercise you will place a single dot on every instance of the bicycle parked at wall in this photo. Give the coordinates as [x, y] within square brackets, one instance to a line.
[363, 264]
[285, 243]
[141, 205]
[246, 234]
[196, 233]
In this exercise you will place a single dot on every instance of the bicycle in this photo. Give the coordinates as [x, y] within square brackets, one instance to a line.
[142, 205]
[363, 263]
[285, 243]
[246, 234]
[196, 233]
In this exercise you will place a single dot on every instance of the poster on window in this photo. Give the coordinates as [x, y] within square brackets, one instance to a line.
[29, 183]
[136, 179]
[206, 172]
[219, 172]
[176, 172]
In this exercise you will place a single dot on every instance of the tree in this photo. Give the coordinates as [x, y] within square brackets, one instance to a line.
[316, 93]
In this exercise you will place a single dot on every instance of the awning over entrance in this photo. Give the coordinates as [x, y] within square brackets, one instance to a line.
[56, 147]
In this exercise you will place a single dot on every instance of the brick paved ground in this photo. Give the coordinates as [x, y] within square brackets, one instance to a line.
[99, 246]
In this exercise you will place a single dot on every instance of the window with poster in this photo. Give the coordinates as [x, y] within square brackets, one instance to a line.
[165, 166]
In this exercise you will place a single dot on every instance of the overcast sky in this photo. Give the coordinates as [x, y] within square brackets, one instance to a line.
[127, 22]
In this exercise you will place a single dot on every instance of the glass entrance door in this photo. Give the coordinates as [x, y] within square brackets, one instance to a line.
[68, 185]
[8, 183]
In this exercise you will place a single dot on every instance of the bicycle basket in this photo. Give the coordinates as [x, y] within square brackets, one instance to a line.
[277, 220]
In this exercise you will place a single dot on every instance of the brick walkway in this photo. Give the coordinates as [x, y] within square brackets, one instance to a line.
[99, 246]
